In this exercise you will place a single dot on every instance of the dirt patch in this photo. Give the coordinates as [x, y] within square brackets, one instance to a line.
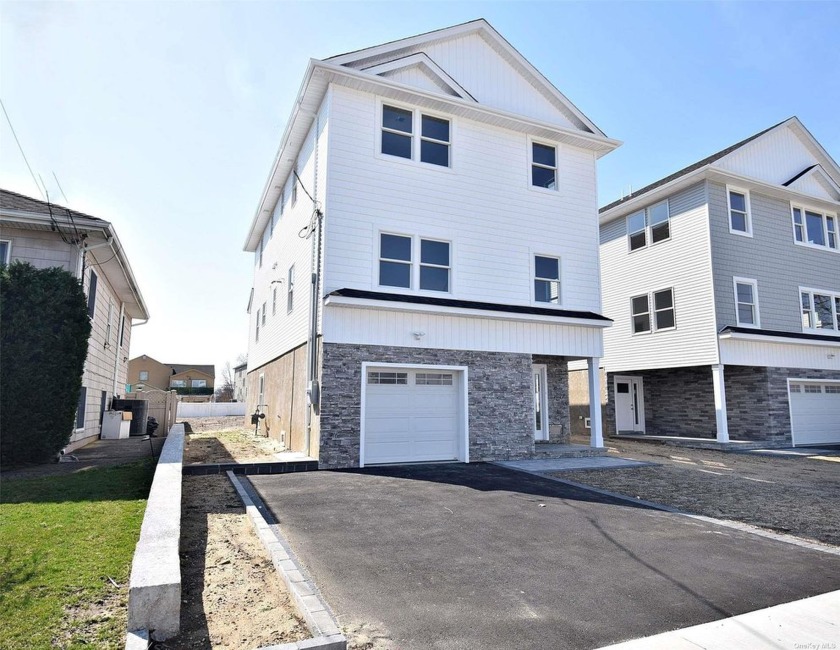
[795, 495]
[232, 596]
[228, 445]
[222, 423]
[91, 623]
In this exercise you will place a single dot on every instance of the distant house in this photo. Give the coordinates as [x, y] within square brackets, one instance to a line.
[723, 281]
[240, 374]
[195, 383]
[48, 235]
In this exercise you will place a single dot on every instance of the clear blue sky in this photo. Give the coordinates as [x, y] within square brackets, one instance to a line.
[164, 117]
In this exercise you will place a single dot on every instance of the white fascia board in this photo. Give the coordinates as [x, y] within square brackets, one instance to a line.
[423, 60]
[740, 336]
[380, 305]
[777, 191]
[828, 162]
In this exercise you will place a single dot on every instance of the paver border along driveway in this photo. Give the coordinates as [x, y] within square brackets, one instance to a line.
[479, 556]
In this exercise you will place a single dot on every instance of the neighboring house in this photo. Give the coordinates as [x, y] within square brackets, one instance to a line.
[240, 374]
[453, 228]
[723, 280]
[48, 235]
[195, 383]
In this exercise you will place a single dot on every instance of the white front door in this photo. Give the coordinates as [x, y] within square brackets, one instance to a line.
[540, 377]
[629, 405]
[814, 412]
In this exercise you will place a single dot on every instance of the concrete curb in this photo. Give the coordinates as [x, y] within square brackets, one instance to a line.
[305, 595]
[137, 640]
[279, 467]
[154, 594]
[736, 525]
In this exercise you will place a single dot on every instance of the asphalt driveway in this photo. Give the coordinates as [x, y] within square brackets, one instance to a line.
[478, 556]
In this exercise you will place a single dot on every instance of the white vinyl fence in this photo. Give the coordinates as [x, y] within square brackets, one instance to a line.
[209, 409]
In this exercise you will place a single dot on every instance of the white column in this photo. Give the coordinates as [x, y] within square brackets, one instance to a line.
[597, 436]
[720, 403]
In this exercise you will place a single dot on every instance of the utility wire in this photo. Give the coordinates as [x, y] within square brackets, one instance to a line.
[60, 188]
[21, 149]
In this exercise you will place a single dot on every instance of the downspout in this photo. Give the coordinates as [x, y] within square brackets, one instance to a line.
[313, 393]
[117, 347]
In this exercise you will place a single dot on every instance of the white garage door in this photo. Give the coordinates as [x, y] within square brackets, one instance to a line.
[815, 412]
[411, 415]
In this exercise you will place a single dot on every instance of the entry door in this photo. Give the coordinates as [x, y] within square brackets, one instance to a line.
[629, 404]
[540, 375]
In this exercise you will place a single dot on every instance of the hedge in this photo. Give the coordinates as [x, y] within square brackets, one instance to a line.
[44, 330]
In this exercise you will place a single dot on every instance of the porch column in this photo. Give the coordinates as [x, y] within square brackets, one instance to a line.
[597, 436]
[720, 403]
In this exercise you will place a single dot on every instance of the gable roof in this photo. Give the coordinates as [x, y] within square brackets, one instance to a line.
[691, 168]
[423, 61]
[178, 368]
[13, 201]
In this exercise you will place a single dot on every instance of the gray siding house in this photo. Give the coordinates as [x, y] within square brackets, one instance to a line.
[723, 281]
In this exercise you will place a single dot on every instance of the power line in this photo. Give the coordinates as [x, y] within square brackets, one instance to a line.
[21, 148]
[60, 188]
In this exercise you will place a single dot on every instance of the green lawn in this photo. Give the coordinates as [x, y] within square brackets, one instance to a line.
[61, 539]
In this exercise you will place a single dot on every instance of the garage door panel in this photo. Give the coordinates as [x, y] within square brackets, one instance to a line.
[815, 413]
[412, 421]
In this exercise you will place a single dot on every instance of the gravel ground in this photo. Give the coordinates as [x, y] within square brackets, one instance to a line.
[795, 495]
[231, 594]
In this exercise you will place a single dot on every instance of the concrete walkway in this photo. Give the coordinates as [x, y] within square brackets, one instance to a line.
[807, 623]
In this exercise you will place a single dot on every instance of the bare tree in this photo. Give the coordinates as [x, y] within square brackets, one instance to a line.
[224, 393]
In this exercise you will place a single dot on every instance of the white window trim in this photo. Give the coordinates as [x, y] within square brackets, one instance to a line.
[8, 243]
[534, 301]
[823, 213]
[536, 188]
[290, 289]
[140, 375]
[747, 206]
[416, 134]
[756, 313]
[652, 311]
[648, 226]
[463, 389]
[274, 301]
[825, 292]
[414, 264]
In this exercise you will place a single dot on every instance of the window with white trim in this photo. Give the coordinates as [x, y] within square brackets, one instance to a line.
[199, 383]
[651, 224]
[290, 289]
[795, 388]
[81, 408]
[434, 379]
[746, 302]
[144, 375]
[814, 228]
[547, 279]
[397, 267]
[5, 251]
[820, 310]
[274, 301]
[260, 253]
[812, 388]
[661, 317]
[740, 221]
[543, 166]
[257, 332]
[177, 383]
[399, 135]
[264, 310]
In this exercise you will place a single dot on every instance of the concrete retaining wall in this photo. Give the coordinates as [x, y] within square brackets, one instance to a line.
[154, 596]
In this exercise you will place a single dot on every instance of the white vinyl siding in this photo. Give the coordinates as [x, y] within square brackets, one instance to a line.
[491, 250]
[626, 274]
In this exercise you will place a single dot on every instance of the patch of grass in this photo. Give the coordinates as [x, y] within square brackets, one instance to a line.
[61, 539]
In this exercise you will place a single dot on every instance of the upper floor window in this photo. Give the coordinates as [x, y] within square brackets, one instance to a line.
[399, 134]
[812, 228]
[144, 375]
[663, 317]
[543, 166]
[547, 279]
[740, 222]
[92, 293]
[397, 267]
[264, 310]
[5, 249]
[820, 310]
[653, 223]
[257, 330]
[274, 302]
[746, 302]
[290, 289]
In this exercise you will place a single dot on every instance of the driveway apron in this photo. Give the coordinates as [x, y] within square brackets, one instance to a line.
[479, 556]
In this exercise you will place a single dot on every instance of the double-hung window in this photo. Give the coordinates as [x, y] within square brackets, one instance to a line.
[264, 310]
[400, 136]
[547, 279]
[663, 316]
[257, 330]
[746, 302]
[652, 224]
[397, 266]
[740, 222]
[543, 166]
[820, 310]
[814, 228]
[5, 249]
